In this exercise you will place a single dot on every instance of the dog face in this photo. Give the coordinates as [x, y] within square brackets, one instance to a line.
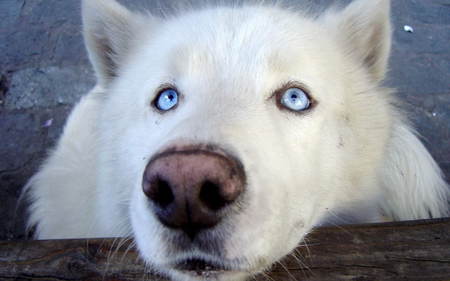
[236, 130]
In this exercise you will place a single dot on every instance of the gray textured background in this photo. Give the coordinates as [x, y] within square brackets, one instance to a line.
[44, 70]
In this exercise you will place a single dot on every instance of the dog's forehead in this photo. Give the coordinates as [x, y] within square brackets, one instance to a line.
[240, 43]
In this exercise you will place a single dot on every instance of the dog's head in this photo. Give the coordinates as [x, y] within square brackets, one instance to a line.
[236, 129]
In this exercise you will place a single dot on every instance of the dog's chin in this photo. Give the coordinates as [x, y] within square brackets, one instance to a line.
[210, 275]
[201, 268]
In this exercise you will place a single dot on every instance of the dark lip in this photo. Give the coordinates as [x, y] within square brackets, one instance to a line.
[200, 265]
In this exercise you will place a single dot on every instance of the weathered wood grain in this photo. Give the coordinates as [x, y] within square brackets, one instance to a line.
[415, 250]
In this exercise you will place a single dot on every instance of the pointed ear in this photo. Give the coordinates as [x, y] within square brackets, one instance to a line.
[364, 26]
[109, 29]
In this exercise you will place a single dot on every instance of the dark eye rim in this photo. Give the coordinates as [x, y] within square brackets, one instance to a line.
[278, 93]
[158, 93]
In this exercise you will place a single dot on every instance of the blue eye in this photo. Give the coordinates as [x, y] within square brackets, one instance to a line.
[295, 99]
[166, 100]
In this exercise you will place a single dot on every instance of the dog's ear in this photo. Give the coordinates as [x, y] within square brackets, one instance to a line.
[109, 29]
[364, 26]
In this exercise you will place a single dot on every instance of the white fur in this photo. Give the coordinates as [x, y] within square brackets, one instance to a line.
[352, 156]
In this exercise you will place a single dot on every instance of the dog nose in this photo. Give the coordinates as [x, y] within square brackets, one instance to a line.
[190, 189]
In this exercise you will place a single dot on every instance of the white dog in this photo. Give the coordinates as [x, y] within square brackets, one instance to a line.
[218, 138]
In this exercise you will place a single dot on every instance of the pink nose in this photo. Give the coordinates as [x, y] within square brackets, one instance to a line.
[191, 188]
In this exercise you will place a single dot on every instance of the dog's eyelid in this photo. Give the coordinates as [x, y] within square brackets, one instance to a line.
[165, 86]
[287, 85]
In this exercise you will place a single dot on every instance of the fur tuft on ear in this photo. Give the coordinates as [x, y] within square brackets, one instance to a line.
[365, 30]
[413, 185]
[108, 29]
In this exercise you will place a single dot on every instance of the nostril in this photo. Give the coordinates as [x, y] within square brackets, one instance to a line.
[160, 192]
[211, 195]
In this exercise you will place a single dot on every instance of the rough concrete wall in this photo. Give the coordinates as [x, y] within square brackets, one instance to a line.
[44, 70]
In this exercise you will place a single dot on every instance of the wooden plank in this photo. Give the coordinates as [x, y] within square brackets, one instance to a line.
[413, 250]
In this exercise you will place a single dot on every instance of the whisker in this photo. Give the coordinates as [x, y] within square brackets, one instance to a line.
[339, 226]
[131, 245]
[291, 277]
[301, 263]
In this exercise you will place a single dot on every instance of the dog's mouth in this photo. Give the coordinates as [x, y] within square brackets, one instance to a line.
[201, 267]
